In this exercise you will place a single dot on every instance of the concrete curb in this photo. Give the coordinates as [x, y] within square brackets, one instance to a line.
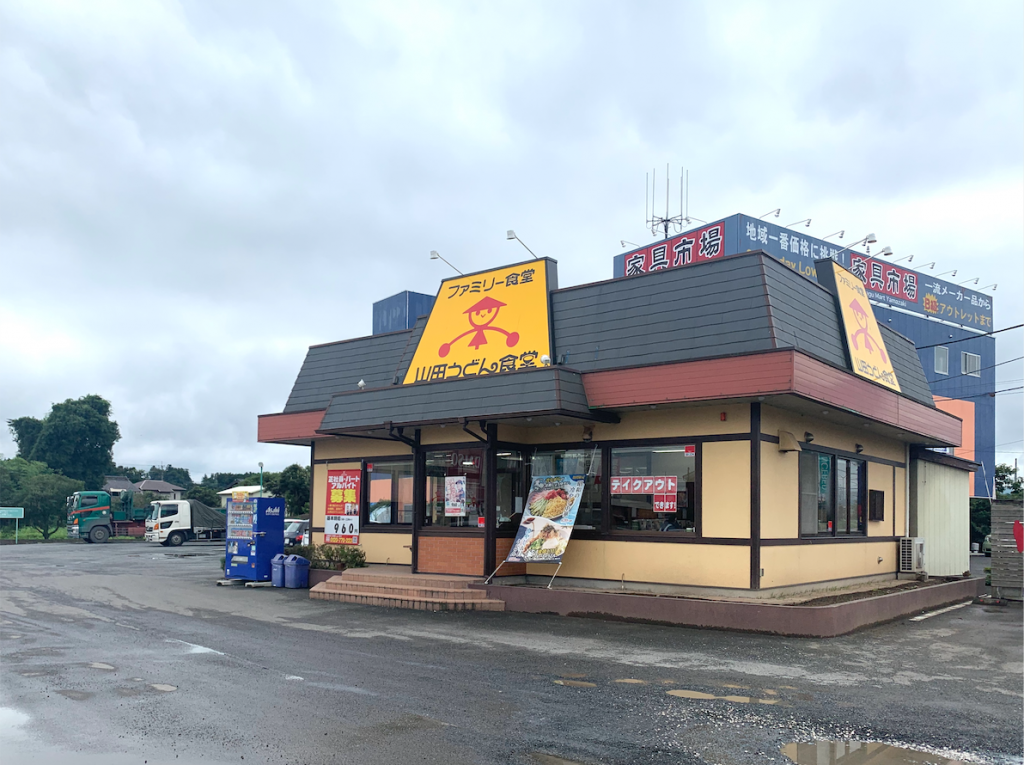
[793, 621]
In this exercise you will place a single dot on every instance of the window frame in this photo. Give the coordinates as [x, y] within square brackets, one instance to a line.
[364, 496]
[861, 499]
[965, 366]
[681, 534]
[945, 360]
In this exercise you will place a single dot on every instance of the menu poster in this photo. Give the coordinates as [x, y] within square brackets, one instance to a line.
[455, 495]
[550, 514]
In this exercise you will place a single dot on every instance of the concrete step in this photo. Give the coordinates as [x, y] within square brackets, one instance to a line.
[411, 580]
[340, 584]
[373, 598]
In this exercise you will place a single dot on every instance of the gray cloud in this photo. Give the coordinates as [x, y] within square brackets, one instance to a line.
[192, 193]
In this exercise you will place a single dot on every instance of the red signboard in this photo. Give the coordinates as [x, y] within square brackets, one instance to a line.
[696, 246]
[343, 492]
[885, 278]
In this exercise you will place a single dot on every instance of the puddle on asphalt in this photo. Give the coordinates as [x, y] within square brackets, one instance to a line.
[193, 648]
[856, 752]
[688, 694]
[574, 675]
[76, 695]
[631, 681]
[163, 687]
[576, 683]
[101, 665]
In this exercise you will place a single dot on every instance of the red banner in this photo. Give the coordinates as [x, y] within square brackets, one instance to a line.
[696, 246]
[879, 276]
[343, 492]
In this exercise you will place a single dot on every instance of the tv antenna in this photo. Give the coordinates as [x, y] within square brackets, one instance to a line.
[667, 221]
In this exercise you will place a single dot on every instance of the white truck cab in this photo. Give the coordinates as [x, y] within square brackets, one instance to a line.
[173, 522]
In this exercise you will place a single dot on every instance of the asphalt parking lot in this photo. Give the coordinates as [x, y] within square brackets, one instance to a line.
[129, 652]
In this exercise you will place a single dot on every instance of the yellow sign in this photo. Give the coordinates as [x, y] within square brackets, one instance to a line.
[863, 338]
[239, 496]
[486, 323]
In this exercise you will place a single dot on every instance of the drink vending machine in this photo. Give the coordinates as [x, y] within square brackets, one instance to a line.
[255, 535]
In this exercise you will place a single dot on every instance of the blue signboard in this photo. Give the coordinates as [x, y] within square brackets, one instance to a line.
[887, 284]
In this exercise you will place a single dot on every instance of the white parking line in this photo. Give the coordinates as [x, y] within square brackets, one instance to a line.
[930, 614]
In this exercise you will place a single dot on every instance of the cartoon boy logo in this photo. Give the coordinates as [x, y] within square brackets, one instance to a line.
[870, 344]
[481, 315]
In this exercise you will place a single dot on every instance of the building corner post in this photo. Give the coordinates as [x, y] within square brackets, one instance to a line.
[755, 495]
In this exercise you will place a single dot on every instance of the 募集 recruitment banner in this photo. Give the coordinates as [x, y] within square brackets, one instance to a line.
[547, 522]
[341, 521]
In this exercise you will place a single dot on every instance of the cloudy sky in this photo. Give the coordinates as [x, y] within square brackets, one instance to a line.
[191, 193]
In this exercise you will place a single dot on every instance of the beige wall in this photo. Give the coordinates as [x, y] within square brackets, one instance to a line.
[805, 564]
[658, 562]
[387, 548]
[780, 493]
[725, 487]
[880, 478]
[357, 448]
[827, 434]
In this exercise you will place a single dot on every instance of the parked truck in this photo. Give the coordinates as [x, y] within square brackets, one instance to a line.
[174, 522]
[93, 517]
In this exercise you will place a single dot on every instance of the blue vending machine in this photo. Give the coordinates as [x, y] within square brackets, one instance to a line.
[255, 536]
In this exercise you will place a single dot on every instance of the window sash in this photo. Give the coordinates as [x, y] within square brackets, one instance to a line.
[832, 495]
[970, 364]
[941, 360]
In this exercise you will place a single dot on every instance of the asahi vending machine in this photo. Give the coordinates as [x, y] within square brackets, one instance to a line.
[255, 536]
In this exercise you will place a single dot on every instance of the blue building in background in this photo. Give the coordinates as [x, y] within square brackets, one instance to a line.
[400, 311]
[946, 321]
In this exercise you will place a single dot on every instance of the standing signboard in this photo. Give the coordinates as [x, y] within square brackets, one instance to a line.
[341, 519]
[550, 514]
[17, 513]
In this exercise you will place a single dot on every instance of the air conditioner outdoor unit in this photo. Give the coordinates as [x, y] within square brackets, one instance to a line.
[912, 555]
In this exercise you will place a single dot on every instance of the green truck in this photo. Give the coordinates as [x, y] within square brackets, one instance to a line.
[93, 517]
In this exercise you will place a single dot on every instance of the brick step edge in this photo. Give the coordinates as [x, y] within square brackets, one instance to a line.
[354, 575]
[419, 604]
[333, 585]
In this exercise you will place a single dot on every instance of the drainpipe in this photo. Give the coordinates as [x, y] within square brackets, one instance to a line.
[906, 489]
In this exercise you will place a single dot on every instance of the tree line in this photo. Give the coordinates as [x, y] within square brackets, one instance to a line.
[71, 449]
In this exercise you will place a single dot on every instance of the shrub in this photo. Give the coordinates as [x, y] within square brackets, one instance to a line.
[331, 557]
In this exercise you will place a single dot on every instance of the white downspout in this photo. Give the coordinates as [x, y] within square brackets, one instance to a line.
[906, 490]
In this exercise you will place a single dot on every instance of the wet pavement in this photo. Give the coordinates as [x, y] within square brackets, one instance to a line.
[131, 654]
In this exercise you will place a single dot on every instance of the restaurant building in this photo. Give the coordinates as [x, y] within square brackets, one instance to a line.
[796, 460]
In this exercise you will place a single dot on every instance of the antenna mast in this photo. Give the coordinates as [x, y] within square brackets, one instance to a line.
[663, 223]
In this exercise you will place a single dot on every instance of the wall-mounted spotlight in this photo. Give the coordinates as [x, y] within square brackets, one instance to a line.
[993, 286]
[840, 234]
[805, 221]
[951, 273]
[808, 436]
[975, 280]
[776, 212]
[928, 265]
[435, 256]
[869, 239]
[624, 242]
[859, 448]
[884, 252]
[689, 218]
[510, 235]
[908, 258]
[361, 384]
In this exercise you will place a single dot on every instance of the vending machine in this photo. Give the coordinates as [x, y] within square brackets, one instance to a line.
[255, 536]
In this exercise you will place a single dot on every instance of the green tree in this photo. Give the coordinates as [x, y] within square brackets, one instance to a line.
[176, 475]
[204, 494]
[981, 518]
[221, 481]
[293, 484]
[77, 438]
[132, 474]
[44, 497]
[26, 432]
[1008, 484]
[14, 473]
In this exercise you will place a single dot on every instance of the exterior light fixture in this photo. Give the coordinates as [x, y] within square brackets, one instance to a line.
[908, 258]
[993, 286]
[951, 273]
[805, 221]
[869, 239]
[435, 256]
[840, 234]
[361, 384]
[928, 265]
[808, 436]
[624, 242]
[689, 218]
[976, 280]
[776, 212]
[510, 235]
[545, 360]
[859, 448]
[885, 252]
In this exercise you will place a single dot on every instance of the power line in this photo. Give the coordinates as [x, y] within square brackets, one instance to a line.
[971, 374]
[995, 393]
[962, 339]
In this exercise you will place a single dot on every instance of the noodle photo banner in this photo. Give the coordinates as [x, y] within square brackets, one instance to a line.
[548, 519]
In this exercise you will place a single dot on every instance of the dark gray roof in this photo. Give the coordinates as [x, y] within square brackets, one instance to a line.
[160, 487]
[735, 305]
[740, 304]
[544, 391]
[338, 367]
[117, 483]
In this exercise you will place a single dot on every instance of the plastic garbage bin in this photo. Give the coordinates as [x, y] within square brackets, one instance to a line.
[296, 572]
[277, 569]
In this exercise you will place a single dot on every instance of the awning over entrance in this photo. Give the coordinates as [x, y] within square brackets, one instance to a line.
[543, 392]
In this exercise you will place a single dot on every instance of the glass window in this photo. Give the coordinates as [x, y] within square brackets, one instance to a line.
[168, 510]
[511, 493]
[831, 494]
[942, 360]
[455, 488]
[585, 461]
[970, 364]
[653, 488]
[390, 493]
[89, 501]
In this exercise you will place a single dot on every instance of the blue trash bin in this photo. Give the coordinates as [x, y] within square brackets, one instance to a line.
[296, 572]
[277, 569]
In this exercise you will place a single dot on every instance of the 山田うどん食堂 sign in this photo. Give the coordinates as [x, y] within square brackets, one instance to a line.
[486, 323]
